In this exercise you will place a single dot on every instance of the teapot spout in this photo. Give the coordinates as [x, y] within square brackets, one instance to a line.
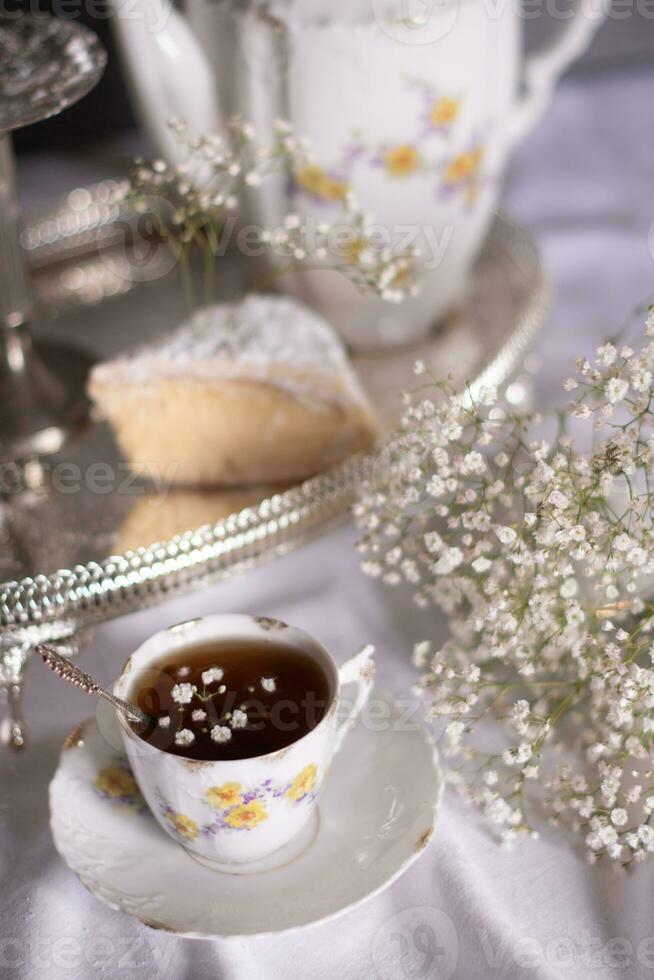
[168, 72]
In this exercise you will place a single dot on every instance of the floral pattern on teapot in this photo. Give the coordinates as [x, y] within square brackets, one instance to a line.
[437, 114]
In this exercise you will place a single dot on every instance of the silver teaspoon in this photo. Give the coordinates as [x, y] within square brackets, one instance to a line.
[66, 668]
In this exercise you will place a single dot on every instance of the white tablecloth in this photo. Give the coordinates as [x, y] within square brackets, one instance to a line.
[583, 183]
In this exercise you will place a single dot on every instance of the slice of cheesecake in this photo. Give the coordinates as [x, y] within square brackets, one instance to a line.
[253, 392]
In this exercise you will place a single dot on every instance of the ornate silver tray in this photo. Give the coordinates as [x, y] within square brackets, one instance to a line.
[76, 551]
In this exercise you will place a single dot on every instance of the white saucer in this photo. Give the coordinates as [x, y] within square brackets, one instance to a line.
[377, 813]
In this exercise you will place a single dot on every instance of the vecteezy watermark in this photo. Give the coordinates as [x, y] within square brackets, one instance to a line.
[146, 249]
[416, 944]
[379, 715]
[119, 955]
[418, 22]
[153, 15]
[100, 478]
[422, 942]
[143, 249]
[564, 955]
[564, 10]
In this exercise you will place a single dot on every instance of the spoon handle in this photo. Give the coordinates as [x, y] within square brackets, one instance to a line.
[65, 668]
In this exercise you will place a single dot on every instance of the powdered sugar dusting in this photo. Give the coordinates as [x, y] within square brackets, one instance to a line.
[268, 338]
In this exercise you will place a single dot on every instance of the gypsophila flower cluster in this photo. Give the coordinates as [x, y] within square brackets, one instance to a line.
[542, 556]
[190, 203]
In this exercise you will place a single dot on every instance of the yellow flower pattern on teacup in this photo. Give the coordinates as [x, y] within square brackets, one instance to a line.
[444, 111]
[116, 783]
[247, 815]
[304, 783]
[402, 160]
[317, 182]
[222, 797]
[184, 826]
[237, 808]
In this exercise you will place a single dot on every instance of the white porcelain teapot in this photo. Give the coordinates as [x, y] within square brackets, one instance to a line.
[415, 104]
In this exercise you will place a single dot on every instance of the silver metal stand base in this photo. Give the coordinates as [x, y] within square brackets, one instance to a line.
[13, 661]
[46, 65]
[43, 402]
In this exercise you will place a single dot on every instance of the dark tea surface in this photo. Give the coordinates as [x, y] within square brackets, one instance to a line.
[232, 700]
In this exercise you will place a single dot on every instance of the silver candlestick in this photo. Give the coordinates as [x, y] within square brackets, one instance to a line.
[45, 66]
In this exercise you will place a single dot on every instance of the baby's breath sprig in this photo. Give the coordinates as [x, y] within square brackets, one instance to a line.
[190, 202]
[542, 555]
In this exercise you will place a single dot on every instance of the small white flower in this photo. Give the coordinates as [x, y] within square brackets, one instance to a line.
[239, 719]
[433, 542]
[450, 559]
[269, 684]
[164, 721]
[435, 486]
[637, 557]
[619, 816]
[221, 734]
[606, 355]
[451, 430]
[183, 671]
[198, 715]
[454, 730]
[184, 737]
[481, 565]
[419, 368]
[421, 653]
[558, 500]
[211, 675]
[616, 389]
[182, 693]
[641, 380]
[569, 588]
[473, 462]
[506, 535]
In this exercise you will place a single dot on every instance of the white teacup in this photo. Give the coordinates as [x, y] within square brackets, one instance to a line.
[242, 815]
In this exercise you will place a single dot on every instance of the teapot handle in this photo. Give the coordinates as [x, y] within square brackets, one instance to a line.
[168, 72]
[544, 67]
